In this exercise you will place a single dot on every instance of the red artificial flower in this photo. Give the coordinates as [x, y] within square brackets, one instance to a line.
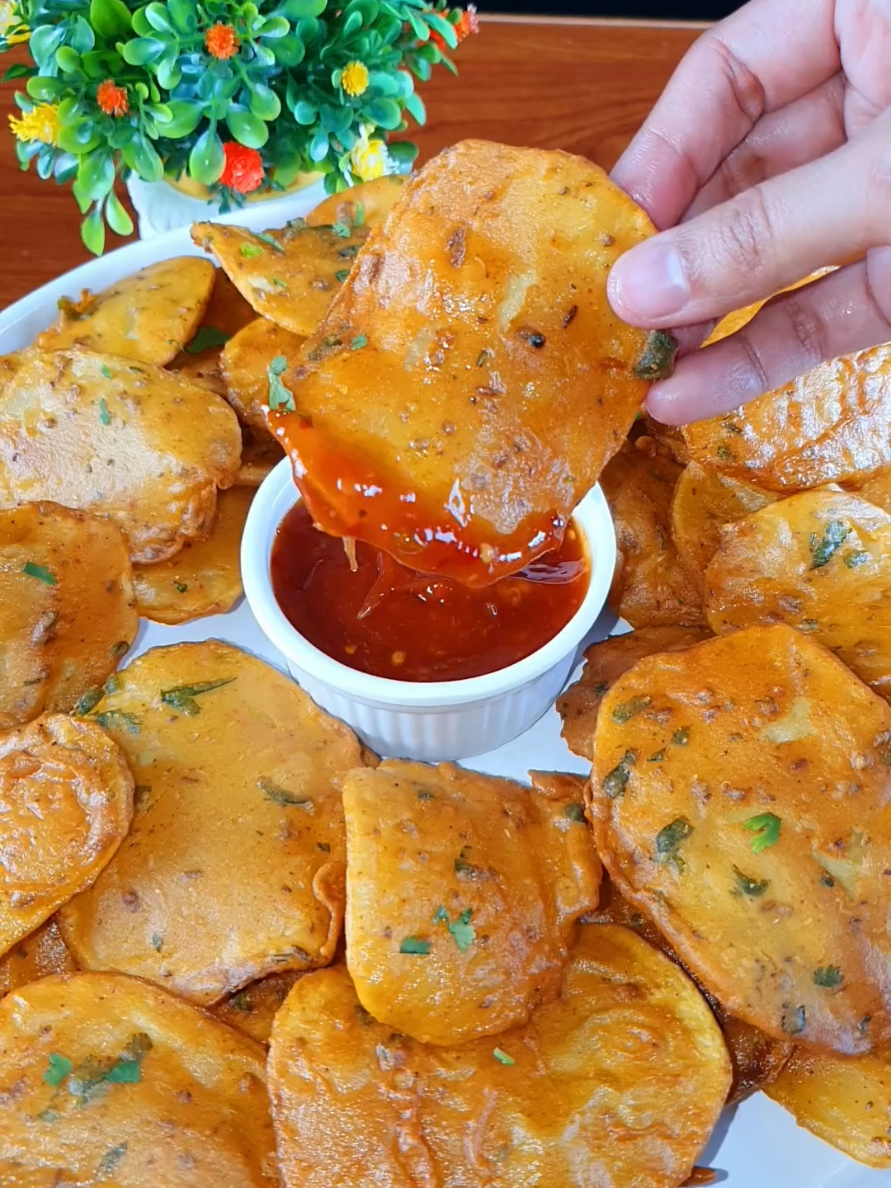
[112, 99]
[221, 41]
[243, 171]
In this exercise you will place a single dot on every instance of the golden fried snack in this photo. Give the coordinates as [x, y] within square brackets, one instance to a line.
[669, 439]
[819, 561]
[741, 317]
[253, 1009]
[741, 795]
[245, 365]
[67, 608]
[844, 1100]
[120, 1083]
[288, 276]
[147, 317]
[41, 953]
[66, 800]
[259, 456]
[463, 891]
[227, 313]
[233, 868]
[204, 578]
[366, 205]
[470, 381]
[756, 1059]
[605, 662]
[653, 587]
[875, 488]
[203, 368]
[127, 441]
[832, 424]
[625, 1076]
[704, 501]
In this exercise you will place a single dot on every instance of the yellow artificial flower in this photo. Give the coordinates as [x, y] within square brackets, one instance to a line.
[354, 79]
[369, 158]
[12, 26]
[41, 123]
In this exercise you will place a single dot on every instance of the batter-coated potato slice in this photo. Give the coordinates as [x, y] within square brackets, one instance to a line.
[844, 1100]
[147, 317]
[227, 313]
[623, 1076]
[253, 1009]
[245, 367]
[259, 456]
[462, 891]
[741, 795]
[653, 587]
[470, 380]
[41, 953]
[875, 488]
[233, 867]
[365, 205]
[123, 440]
[66, 801]
[288, 276]
[741, 317]
[756, 1059]
[117, 1083]
[704, 501]
[832, 424]
[67, 608]
[204, 578]
[819, 561]
[605, 662]
[203, 368]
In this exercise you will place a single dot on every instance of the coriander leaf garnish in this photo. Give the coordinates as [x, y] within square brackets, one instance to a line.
[32, 569]
[341, 230]
[240, 1001]
[360, 341]
[414, 946]
[855, 560]
[283, 796]
[834, 534]
[279, 395]
[180, 587]
[265, 237]
[279, 283]
[109, 719]
[461, 929]
[341, 275]
[424, 794]
[829, 977]
[681, 737]
[119, 649]
[793, 1020]
[766, 827]
[106, 370]
[575, 812]
[58, 1070]
[104, 414]
[751, 887]
[250, 250]
[111, 1159]
[88, 701]
[182, 698]
[157, 942]
[668, 842]
[359, 217]
[616, 781]
[348, 252]
[502, 1057]
[630, 709]
[209, 336]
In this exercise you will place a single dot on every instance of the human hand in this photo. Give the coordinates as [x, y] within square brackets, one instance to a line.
[768, 155]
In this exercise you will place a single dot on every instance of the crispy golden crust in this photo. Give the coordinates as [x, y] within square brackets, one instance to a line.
[259, 456]
[68, 608]
[41, 953]
[375, 199]
[483, 875]
[234, 865]
[245, 362]
[625, 1075]
[875, 488]
[741, 794]
[146, 317]
[117, 1082]
[67, 798]
[123, 440]
[253, 1009]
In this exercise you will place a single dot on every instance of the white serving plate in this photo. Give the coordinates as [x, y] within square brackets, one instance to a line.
[756, 1144]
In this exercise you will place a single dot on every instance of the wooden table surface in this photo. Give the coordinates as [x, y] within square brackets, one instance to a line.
[579, 85]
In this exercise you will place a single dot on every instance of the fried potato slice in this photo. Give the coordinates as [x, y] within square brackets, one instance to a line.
[41, 953]
[741, 795]
[462, 890]
[365, 205]
[844, 1100]
[289, 276]
[233, 868]
[118, 1082]
[741, 317]
[66, 801]
[123, 440]
[205, 369]
[227, 313]
[875, 488]
[819, 561]
[68, 608]
[253, 1009]
[259, 456]
[629, 1063]
[471, 380]
[146, 317]
[245, 368]
[704, 501]
[605, 662]
[653, 587]
[832, 424]
[204, 578]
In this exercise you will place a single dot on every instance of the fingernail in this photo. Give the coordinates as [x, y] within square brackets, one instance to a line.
[648, 284]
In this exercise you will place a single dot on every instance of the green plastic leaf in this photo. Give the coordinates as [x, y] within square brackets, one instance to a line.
[384, 113]
[352, 24]
[92, 232]
[247, 128]
[142, 50]
[275, 26]
[421, 69]
[68, 60]
[184, 15]
[415, 105]
[420, 29]
[264, 102]
[140, 156]
[159, 18]
[81, 37]
[289, 51]
[207, 159]
[45, 90]
[79, 139]
[444, 28]
[110, 18]
[118, 219]
[17, 70]
[403, 151]
[95, 177]
[185, 116]
[296, 10]
[169, 74]
[318, 146]
[305, 113]
[44, 42]
[102, 64]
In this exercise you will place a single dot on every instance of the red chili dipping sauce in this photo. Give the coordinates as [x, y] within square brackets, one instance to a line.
[390, 621]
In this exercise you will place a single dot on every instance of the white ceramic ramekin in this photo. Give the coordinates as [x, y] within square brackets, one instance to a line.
[431, 721]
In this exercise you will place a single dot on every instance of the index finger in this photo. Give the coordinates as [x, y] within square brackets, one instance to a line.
[759, 59]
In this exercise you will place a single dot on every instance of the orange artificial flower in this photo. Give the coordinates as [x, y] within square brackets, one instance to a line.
[112, 99]
[243, 171]
[221, 41]
[468, 24]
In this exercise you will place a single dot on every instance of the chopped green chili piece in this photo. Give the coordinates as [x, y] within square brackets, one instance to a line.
[31, 569]
[411, 944]
[502, 1057]
[104, 414]
[283, 796]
